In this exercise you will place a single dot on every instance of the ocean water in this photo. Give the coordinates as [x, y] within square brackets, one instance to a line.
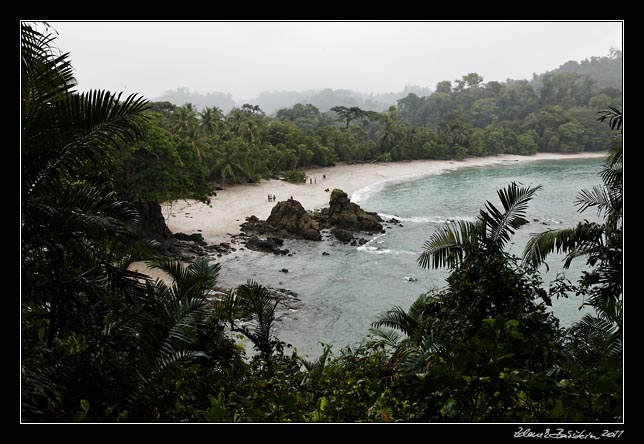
[343, 292]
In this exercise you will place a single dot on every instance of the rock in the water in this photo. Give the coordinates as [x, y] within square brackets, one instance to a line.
[342, 235]
[346, 215]
[267, 245]
[290, 215]
[284, 270]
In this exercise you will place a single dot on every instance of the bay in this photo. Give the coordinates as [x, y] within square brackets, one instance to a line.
[343, 292]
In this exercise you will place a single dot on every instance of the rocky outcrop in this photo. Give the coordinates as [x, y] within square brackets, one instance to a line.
[288, 219]
[290, 216]
[345, 217]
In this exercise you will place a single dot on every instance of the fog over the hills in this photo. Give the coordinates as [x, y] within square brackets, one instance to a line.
[244, 59]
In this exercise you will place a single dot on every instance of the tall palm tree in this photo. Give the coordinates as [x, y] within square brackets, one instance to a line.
[69, 225]
[184, 122]
[184, 118]
[600, 243]
[72, 227]
[209, 120]
[229, 164]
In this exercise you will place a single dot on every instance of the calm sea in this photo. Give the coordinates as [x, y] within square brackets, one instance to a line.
[343, 292]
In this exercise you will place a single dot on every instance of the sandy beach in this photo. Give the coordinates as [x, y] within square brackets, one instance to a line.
[220, 220]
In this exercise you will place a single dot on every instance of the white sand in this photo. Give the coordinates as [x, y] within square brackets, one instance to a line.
[221, 219]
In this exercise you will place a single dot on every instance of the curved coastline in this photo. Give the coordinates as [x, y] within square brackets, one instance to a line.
[220, 220]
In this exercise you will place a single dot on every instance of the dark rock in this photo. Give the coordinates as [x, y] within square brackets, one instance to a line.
[182, 236]
[196, 237]
[287, 219]
[324, 253]
[346, 215]
[342, 235]
[284, 270]
[290, 216]
[265, 245]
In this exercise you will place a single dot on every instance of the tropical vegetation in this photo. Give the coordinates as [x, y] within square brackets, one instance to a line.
[101, 343]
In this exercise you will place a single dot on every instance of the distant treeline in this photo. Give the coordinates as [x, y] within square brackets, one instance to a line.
[272, 101]
[604, 72]
[186, 150]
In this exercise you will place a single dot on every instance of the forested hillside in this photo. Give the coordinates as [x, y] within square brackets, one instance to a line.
[469, 117]
[605, 72]
[602, 73]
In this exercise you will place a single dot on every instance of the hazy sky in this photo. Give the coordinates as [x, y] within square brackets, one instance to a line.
[245, 58]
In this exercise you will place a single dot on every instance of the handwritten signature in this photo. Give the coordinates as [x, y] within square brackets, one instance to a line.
[566, 434]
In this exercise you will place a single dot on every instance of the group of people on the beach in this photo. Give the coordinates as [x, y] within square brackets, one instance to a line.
[312, 180]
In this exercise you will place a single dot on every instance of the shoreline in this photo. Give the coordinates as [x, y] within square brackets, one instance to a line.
[220, 220]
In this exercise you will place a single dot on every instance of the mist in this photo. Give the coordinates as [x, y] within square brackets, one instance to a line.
[244, 59]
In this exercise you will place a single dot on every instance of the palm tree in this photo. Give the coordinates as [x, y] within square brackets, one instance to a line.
[255, 301]
[421, 341]
[144, 338]
[184, 122]
[229, 164]
[600, 243]
[489, 233]
[184, 118]
[73, 227]
[210, 119]
[70, 227]
[179, 309]
[387, 133]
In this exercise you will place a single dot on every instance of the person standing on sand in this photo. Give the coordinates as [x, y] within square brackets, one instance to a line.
[274, 198]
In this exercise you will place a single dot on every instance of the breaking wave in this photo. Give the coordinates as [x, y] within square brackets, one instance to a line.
[426, 219]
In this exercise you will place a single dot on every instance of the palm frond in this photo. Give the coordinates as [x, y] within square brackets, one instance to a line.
[417, 307]
[574, 241]
[83, 127]
[398, 319]
[168, 359]
[599, 197]
[389, 336]
[46, 76]
[614, 117]
[501, 225]
[207, 272]
[593, 339]
[446, 245]
[316, 367]
[257, 301]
